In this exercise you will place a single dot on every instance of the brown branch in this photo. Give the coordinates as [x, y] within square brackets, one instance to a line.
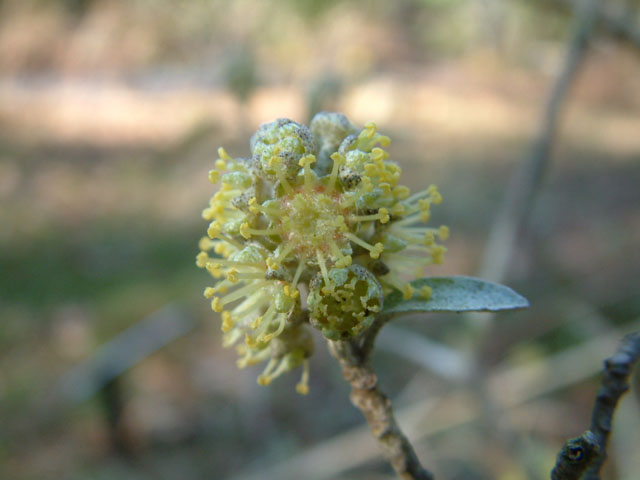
[376, 408]
[589, 452]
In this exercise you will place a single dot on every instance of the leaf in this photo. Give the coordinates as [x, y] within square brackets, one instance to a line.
[456, 294]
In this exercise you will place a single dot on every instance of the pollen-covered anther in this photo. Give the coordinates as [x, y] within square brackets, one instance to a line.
[378, 154]
[291, 292]
[382, 216]
[214, 176]
[303, 386]
[437, 253]
[216, 304]
[425, 292]
[247, 232]
[401, 192]
[436, 198]
[201, 259]
[227, 322]
[374, 250]
[407, 291]
[215, 228]
[429, 237]
[224, 156]
[232, 275]
[271, 263]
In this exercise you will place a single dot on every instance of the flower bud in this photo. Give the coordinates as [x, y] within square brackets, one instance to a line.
[277, 147]
[346, 306]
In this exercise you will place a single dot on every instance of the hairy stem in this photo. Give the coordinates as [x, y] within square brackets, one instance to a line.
[376, 407]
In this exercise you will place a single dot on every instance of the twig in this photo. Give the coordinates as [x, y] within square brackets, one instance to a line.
[377, 410]
[575, 457]
[615, 382]
[513, 387]
[589, 451]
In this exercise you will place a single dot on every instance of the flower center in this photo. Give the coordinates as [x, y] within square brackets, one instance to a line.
[311, 220]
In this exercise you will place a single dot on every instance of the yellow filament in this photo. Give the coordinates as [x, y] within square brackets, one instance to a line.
[276, 163]
[296, 276]
[338, 160]
[303, 386]
[323, 270]
[306, 163]
[374, 250]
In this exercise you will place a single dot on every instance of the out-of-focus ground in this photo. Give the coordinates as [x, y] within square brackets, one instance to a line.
[110, 117]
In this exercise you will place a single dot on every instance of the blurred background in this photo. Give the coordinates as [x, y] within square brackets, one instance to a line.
[110, 116]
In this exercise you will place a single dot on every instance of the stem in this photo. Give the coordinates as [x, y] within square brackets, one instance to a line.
[353, 356]
[589, 451]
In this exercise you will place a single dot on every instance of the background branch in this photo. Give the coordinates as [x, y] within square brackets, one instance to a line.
[525, 182]
[616, 21]
[589, 451]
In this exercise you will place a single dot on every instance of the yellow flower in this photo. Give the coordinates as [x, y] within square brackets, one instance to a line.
[321, 208]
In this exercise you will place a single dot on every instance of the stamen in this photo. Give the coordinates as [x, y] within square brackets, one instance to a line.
[306, 162]
[284, 252]
[282, 368]
[404, 287]
[342, 260]
[232, 337]
[303, 386]
[338, 160]
[225, 195]
[218, 303]
[281, 324]
[425, 292]
[221, 262]
[246, 231]
[382, 215]
[234, 276]
[323, 269]
[276, 163]
[222, 153]
[252, 358]
[227, 322]
[265, 378]
[253, 302]
[215, 231]
[296, 276]
[264, 322]
[214, 176]
[401, 192]
[270, 210]
[374, 250]
[201, 259]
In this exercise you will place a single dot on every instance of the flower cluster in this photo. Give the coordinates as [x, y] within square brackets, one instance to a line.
[313, 228]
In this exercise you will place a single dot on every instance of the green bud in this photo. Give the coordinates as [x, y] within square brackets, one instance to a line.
[329, 129]
[280, 145]
[239, 180]
[249, 254]
[346, 306]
